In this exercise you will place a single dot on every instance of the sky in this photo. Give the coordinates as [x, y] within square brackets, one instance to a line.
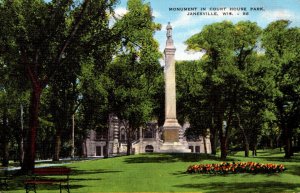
[184, 25]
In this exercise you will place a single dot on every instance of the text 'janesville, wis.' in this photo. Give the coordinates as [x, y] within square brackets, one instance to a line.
[216, 11]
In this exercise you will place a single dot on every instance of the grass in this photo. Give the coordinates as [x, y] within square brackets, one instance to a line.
[166, 173]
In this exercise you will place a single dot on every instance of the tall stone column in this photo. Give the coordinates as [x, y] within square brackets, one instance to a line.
[171, 126]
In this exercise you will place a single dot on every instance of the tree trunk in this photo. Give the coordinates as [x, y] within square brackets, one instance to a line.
[82, 150]
[129, 147]
[246, 141]
[291, 145]
[213, 136]
[246, 148]
[213, 140]
[224, 134]
[85, 149]
[4, 138]
[59, 118]
[223, 138]
[29, 158]
[5, 160]
[204, 143]
[21, 150]
[271, 143]
[21, 138]
[298, 141]
[278, 142]
[254, 152]
[223, 147]
[286, 132]
[129, 144]
[287, 141]
[106, 153]
[57, 144]
[73, 137]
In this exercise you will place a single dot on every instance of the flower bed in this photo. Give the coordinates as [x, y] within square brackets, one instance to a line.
[233, 168]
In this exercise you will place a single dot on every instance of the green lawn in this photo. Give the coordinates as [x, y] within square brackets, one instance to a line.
[165, 173]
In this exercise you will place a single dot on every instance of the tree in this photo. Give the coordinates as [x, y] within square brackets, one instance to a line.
[13, 99]
[281, 48]
[256, 110]
[95, 108]
[234, 78]
[192, 104]
[252, 97]
[135, 69]
[217, 42]
[41, 34]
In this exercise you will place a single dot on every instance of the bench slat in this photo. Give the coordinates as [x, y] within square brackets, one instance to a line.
[52, 171]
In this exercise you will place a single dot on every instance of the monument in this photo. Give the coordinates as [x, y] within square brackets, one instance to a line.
[171, 128]
[149, 139]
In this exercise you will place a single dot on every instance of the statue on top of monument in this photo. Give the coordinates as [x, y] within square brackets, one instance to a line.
[169, 30]
[169, 42]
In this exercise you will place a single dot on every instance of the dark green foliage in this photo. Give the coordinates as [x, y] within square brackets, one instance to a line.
[47, 41]
[282, 49]
[135, 72]
[236, 84]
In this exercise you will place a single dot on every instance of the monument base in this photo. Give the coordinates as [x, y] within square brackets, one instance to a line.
[172, 142]
[171, 130]
[174, 147]
[171, 135]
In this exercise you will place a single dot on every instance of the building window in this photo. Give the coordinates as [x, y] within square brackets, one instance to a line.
[191, 148]
[197, 149]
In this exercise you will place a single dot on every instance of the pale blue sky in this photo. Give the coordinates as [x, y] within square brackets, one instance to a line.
[184, 25]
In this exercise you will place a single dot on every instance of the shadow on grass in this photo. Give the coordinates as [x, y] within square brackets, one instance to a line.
[16, 182]
[88, 172]
[84, 175]
[293, 169]
[85, 179]
[214, 187]
[180, 173]
[171, 157]
[281, 159]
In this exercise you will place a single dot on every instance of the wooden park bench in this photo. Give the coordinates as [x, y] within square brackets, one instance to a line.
[41, 176]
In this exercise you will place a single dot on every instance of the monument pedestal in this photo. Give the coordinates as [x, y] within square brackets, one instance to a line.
[172, 144]
[171, 130]
[174, 147]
